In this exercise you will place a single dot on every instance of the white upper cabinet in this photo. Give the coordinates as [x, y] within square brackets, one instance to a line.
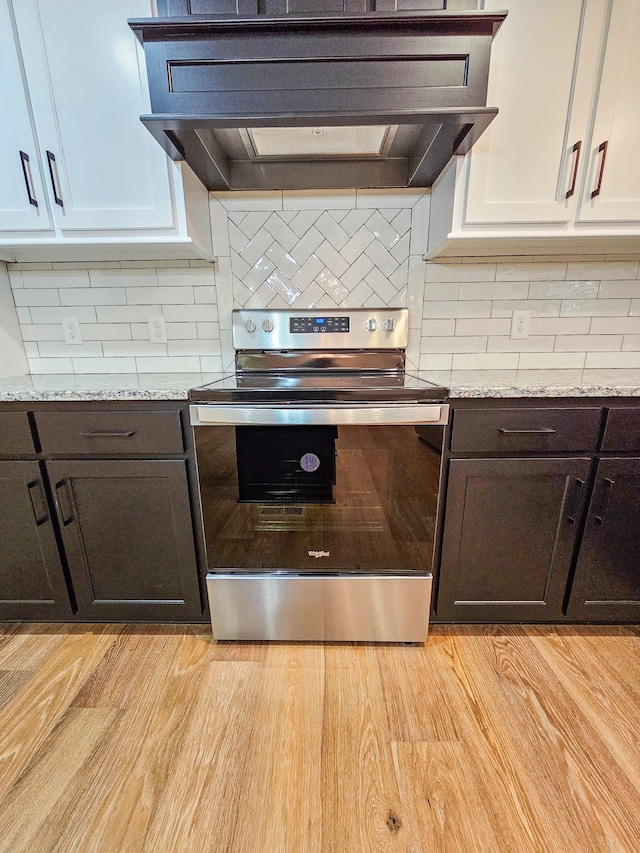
[564, 76]
[23, 203]
[106, 179]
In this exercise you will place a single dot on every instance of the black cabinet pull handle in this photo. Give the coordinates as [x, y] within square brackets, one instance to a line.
[601, 149]
[608, 488]
[38, 502]
[51, 160]
[541, 431]
[578, 486]
[24, 159]
[100, 433]
[576, 150]
[64, 499]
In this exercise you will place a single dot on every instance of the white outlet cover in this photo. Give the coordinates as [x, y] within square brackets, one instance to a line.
[520, 325]
[71, 330]
[157, 329]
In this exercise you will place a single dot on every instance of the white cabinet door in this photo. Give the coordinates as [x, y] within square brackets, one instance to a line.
[18, 183]
[543, 69]
[88, 87]
[613, 165]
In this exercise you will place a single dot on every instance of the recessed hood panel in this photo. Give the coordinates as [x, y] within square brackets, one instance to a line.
[318, 102]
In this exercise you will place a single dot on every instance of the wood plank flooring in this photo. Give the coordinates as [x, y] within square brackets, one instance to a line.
[155, 738]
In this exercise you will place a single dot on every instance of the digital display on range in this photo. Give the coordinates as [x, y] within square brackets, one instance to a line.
[311, 325]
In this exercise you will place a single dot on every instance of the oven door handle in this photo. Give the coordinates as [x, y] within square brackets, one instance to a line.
[220, 414]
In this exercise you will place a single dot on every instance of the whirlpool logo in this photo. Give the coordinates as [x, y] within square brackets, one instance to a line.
[318, 554]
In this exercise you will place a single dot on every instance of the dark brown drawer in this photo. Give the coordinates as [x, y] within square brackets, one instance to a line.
[622, 431]
[525, 430]
[119, 433]
[15, 434]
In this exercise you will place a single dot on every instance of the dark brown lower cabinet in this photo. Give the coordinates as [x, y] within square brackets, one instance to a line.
[128, 537]
[606, 585]
[32, 583]
[510, 530]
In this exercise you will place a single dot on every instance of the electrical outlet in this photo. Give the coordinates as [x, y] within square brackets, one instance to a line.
[520, 324]
[157, 329]
[71, 330]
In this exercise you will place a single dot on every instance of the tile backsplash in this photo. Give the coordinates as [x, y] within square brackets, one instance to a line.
[334, 249]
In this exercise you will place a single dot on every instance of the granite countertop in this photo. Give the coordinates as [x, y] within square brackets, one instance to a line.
[462, 384]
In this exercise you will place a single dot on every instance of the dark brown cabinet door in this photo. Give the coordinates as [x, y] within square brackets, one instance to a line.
[606, 586]
[511, 526]
[32, 583]
[128, 537]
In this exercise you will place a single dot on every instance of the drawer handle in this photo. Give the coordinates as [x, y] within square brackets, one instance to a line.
[608, 488]
[64, 499]
[102, 433]
[542, 431]
[38, 502]
[573, 512]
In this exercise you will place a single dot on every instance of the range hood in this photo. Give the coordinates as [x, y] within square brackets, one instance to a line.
[322, 101]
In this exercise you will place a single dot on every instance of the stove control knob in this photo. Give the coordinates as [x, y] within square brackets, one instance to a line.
[372, 324]
[389, 325]
[250, 326]
[267, 326]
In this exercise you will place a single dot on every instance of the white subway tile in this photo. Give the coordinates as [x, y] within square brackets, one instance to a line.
[553, 271]
[283, 286]
[144, 277]
[354, 221]
[356, 273]
[612, 359]
[563, 289]
[381, 286]
[93, 296]
[400, 278]
[456, 309]
[435, 361]
[139, 331]
[31, 349]
[282, 260]
[104, 365]
[595, 308]
[485, 361]
[326, 303]
[55, 278]
[331, 230]
[383, 259]
[331, 285]
[35, 298]
[244, 201]
[205, 331]
[302, 221]
[358, 296]
[615, 325]
[205, 295]
[182, 331]
[121, 314]
[252, 223]
[388, 198]
[538, 307]
[606, 270]
[460, 272]
[196, 277]
[452, 344]
[319, 200]
[190, 313]
[434, 292]
[15, 279]
[331, 258]
[310, 297]
[260, 298]
[400, 250]
[42, 332]
[50, 365]
[24, 315]
[237, 238]
[438, 328]
[238, 264]
[178, 348]
[161, 295]
[54, 349]
[106, 331]
[551, 360]
[634, 309]
[619, 289]
[420, 225]
[84, 313]
[219, 226]
[560, 325]
[307, 245]
[211, 364]
[383, 230]
[631, 342]
[494, 290]
[588, 343]
[482, 327]
[256, 247]
[307, 272]
[356, 245]
[539, 343]
[113, 349]
[177, 364]
[281, 232]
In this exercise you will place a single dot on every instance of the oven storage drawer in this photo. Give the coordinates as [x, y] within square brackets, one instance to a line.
[334, 608]
[117, 432]
[525, 430]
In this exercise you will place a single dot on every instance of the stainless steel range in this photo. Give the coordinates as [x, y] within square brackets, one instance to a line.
[319, 468]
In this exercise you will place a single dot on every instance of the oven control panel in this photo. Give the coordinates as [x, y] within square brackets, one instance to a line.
[358, 328]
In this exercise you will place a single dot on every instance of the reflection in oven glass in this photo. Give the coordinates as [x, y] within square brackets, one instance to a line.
[369, 505]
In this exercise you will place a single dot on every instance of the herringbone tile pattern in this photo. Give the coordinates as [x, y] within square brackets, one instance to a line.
[320, 258]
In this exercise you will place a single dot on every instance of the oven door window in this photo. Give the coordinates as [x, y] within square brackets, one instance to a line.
[319, 499]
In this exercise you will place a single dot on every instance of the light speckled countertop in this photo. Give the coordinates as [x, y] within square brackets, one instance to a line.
[462, 384]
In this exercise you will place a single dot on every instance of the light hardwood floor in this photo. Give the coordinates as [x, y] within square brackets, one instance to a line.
[155, 738]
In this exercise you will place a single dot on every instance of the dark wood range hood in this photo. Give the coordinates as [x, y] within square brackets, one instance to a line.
[322, 101]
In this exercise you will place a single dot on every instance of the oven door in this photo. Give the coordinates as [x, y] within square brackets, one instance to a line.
[319, 521]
